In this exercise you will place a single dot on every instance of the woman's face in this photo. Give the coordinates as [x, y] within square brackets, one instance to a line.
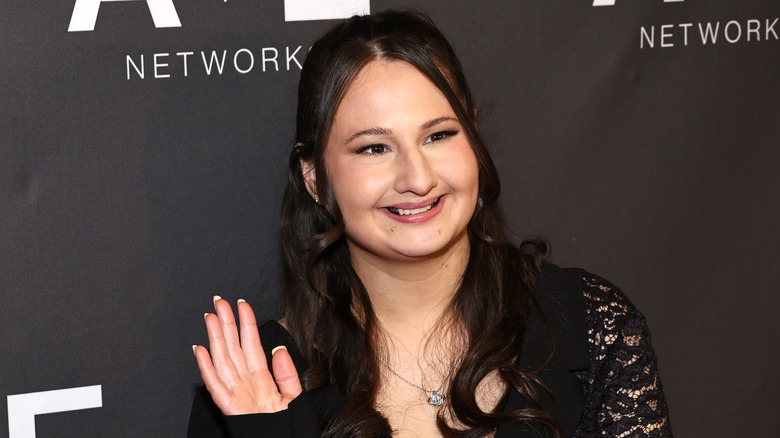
[400, 166]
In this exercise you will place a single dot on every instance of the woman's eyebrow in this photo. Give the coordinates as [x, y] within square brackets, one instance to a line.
[431, 123]
[379, 130]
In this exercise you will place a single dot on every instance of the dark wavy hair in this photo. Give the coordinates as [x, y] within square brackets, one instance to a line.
[326, 307]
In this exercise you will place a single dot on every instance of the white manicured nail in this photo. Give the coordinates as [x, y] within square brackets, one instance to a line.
[281, 347]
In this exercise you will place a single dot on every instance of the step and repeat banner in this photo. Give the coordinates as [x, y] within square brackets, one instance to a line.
[142, 163]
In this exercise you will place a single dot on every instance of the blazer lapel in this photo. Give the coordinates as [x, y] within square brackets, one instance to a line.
[559, 295]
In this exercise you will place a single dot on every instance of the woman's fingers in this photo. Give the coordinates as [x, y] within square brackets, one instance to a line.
[250, 339]
[220, 356]
[236, 372]
[230, 333]
[208, 373]
[285, 374]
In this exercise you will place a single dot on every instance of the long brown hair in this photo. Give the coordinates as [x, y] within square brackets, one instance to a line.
[326, 306]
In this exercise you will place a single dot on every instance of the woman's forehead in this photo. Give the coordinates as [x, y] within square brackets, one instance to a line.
[384, 83]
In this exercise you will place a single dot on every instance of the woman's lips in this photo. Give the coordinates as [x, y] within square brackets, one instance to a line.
[414, 214]
[413, 211]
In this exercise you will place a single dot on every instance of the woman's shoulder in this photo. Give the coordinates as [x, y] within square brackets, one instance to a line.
[613, 322]
[591, 317]
[585, 291]
[622, 387]
[603, 297]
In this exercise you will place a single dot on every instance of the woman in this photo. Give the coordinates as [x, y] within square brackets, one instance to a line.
[406, 311]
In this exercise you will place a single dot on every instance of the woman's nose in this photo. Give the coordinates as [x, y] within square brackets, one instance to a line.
[414, 172]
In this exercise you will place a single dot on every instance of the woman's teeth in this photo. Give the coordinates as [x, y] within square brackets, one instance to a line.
[402, 212]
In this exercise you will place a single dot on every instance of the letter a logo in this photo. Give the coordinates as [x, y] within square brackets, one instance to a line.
[85, 14]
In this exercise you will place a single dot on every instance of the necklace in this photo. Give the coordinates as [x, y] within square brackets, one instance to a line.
[435, 397]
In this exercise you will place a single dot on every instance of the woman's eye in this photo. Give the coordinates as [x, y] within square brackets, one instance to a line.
[439, 136]
[372, 149]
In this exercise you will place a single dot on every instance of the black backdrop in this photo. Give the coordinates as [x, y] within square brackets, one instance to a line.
[140, 174]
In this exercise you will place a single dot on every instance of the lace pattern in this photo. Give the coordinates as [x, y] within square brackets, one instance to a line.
[623, 396]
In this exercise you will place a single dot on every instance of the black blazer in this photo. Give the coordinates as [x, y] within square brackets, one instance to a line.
[560, 297]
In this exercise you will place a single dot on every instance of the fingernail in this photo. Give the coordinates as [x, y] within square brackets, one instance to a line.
[216, 298]
[241, 300]
[193, 348]
[281, 347]
[205, 315]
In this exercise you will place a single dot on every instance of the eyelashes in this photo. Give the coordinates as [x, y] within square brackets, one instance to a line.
[441, 135]
[379, 148]
[372, 149]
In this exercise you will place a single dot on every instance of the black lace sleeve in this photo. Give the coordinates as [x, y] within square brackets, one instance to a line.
[623, 395]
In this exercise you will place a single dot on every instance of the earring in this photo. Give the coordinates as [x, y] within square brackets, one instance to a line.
[317, 199]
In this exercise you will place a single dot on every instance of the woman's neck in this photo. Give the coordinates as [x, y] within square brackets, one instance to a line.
[411, 296]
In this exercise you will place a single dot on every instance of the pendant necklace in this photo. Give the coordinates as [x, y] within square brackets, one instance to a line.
[435, 397]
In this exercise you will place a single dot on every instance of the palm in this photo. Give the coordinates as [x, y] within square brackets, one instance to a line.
[236, 372]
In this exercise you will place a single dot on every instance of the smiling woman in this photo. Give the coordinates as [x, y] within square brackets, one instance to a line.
[403, 175]
[406, 310]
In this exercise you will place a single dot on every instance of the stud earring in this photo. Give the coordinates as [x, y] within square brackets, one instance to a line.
[317, 199]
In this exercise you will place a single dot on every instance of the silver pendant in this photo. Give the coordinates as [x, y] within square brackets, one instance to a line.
[435, 398]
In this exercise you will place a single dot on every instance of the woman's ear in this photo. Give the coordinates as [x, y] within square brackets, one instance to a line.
[310, 178]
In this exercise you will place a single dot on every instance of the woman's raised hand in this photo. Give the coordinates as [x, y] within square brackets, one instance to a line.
[236, 372]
